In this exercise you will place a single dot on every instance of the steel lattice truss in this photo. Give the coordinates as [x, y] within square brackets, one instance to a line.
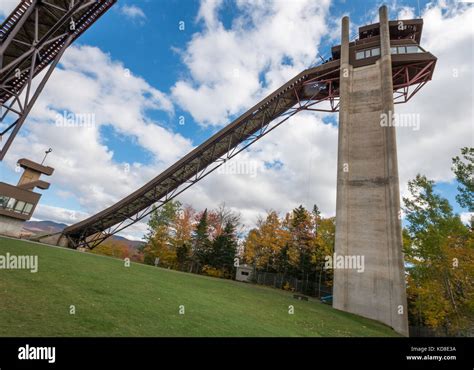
[33, 37]
[314, 89]
[408, 79]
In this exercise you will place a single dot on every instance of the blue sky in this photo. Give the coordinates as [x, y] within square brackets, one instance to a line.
[144, 38]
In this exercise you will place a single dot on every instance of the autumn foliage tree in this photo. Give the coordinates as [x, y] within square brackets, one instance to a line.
[161, 246]
[293, 246]
[264, 243]
[180, 238]
[115, 248]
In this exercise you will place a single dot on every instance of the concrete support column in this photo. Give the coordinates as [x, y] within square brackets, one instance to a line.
[399, 317]
[368, 202]
[340, 287]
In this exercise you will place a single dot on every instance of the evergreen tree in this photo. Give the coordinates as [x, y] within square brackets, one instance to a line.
[202, 248]
[317, 217]
[224, 250]
[282, 263]
[303, 239]
[182, 251]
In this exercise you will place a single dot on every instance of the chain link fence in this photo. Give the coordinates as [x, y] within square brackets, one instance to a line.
[315, 287]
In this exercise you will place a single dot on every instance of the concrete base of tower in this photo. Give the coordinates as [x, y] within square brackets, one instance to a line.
[10, 226]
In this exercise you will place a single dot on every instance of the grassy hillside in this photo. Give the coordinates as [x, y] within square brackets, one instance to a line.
[113, 300]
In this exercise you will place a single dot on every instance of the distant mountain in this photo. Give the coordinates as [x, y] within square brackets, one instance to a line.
[131, 243]
[43, 226]
[36, 227]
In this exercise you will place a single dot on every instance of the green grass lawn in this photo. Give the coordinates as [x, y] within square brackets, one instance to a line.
[113, 300]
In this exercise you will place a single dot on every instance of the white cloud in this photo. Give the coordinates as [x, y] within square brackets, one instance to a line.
[466, 217]
[273, 40]
[58, 214]
[6, 7]
[70, 216]
[305, 149]
[445, 104]
[406, 12]
[90, 83]
[208, 13]
[133, 12]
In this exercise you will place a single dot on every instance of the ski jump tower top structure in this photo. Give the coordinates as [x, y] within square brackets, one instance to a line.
[363, 80]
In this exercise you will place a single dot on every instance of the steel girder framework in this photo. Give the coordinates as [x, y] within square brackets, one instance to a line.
[410, 78]
[33, 37]
[315, 89]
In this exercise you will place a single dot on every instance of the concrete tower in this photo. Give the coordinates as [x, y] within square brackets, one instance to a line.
[368, 200]
[17, 203]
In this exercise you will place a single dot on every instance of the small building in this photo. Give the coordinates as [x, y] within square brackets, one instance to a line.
[244, 273]
[17, 203]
